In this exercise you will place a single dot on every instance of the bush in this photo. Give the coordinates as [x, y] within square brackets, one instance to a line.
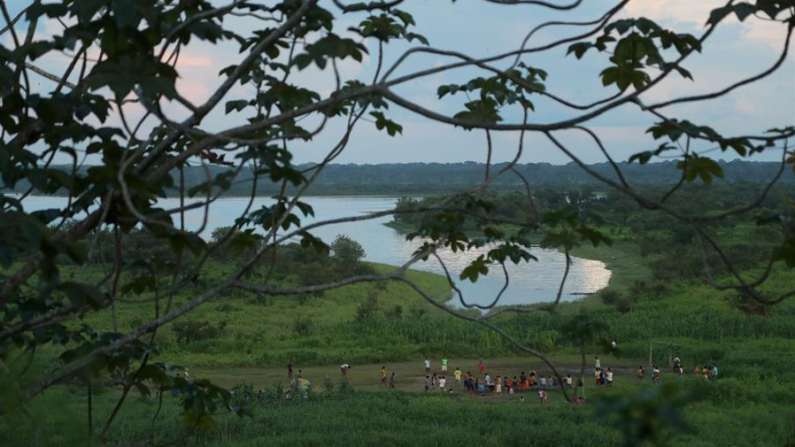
[610, 296]
[368, 308]
[302, 326]
[192, 330]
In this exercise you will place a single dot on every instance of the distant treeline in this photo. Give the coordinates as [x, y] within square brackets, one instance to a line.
[438, 178]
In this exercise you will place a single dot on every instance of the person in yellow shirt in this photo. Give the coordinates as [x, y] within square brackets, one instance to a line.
[383, 375]
[457, 374]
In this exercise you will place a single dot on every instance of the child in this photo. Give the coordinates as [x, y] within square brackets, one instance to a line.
[609, 377]
[542, 395]
[392, 380]
[656, 374]
[640, 373]
[427, 382]
[498, 385]
[542, 382]
[550, 382]
[457, 375]
[442, 382]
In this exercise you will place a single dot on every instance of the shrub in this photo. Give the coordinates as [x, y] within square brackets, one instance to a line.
[191, 330]
[302, 326]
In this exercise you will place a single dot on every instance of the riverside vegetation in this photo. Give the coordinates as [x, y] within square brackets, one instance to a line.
[657, 294]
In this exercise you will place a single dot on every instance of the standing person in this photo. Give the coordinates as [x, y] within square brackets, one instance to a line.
[640, 373]
[457, 375]
[598, 376]
[442, 383]
[427, 366]
[426, 382]
[714, 371]
[300, 374]
[602, 377]
[597, 364]
[609, 376]
[509, 385]
[392, 380]
[383, 375]
[290, 370]
[481, 365]
[433, 380]
[550, 382]
[498, 385]
[542, 395]
[344, 368]
[489, 383]
[568, 380]
[444, 364]
[656, 374]
[542, 382]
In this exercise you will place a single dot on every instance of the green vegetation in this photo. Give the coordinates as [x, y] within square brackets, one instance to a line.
[418, 179]
[336, 414]
[120, 326]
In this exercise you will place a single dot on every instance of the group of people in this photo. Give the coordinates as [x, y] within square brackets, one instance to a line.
[709, 373]
[705, 371]
[603, 376]
[501, 384]
[387, 381]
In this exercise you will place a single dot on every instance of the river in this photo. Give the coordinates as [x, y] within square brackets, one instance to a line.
[532, 282]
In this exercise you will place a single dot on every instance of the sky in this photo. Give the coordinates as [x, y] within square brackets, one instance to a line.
[478, 28]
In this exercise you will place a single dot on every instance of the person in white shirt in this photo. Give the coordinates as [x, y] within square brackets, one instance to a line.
[427, 366]
[344, 369]
[542, 382]
[609, 377]
[442, 382]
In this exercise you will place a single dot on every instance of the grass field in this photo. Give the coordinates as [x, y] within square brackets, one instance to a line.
[750, 405]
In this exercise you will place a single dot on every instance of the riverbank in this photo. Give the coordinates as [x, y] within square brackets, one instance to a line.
[622, 259]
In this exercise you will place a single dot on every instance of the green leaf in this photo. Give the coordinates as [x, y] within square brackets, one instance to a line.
[236, 105]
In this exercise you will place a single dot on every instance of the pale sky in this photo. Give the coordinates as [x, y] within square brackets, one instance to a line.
[735, 51]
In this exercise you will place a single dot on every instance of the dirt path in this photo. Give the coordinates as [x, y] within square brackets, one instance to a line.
[409, 375]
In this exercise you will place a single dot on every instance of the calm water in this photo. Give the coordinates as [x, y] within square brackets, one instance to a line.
[529, 283]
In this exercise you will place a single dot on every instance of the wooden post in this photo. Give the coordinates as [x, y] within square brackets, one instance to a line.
[651, 357]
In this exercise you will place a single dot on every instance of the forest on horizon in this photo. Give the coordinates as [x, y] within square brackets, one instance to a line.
[437, 178]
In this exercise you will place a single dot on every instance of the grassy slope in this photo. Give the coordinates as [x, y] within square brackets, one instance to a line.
[261, 332]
